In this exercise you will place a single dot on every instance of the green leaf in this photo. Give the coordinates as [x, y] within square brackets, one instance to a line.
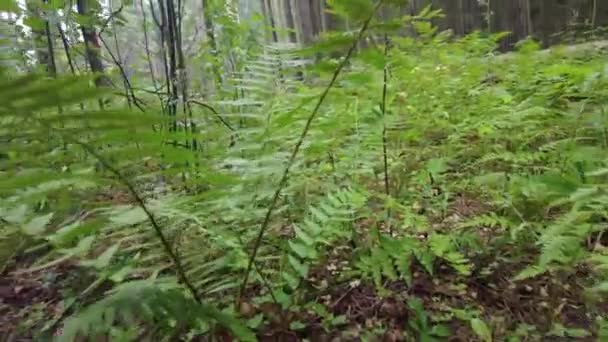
[302, 269]
[9, 6]
[436, 166]
[440, 330]
[356, 10]
[35, 23]
[104, 259]
[481, 329]
[302, 235]
[338, 320]
[70, 233]
[256, 321]
[292, 281]
[37, 225]
[440, 244]
[530, 272]
[128, 216]
[600, 172]
[302, 250]
[14, 215]
[297, 325]
[403, 264]
[425, 258]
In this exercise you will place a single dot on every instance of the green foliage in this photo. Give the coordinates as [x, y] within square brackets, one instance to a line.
[522, 136]
[325, 225]
[421, 324]
[392, 257]
[156, 301]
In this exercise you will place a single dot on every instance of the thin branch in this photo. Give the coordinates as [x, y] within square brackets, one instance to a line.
[128, 88]
[66, 48]
[154, 17]
[119, 56]
[141, 203]
[214, 112]
[387, 188]
[110, 18]
[149, 55]
[294, 154]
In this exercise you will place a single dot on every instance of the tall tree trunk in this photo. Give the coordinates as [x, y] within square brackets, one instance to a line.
[290, 21]
[171, 49]
[270, 16]
[210, 32]
[601, 13]
[92, 45]
[306, 26]
[548, 18]
[512, 16]
[52, 66]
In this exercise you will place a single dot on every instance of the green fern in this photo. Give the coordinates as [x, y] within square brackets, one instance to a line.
[392, 258]
[158, 302]
[327, 223]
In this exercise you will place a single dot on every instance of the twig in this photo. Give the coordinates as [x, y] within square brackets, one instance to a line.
[149, 55]
[294, 154]
[119, 58]
[128, 88]
[387, 188]
[214, 112]
[110, 18]
[140, 202]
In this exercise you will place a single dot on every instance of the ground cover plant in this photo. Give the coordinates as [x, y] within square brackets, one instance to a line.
[375, 185]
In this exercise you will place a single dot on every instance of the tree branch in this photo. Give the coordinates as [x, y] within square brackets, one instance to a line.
[204, 105]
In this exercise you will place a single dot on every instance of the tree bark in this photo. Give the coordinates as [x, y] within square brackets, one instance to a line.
[305, 14]
[92, 45]
[512, 16]
[290, 21]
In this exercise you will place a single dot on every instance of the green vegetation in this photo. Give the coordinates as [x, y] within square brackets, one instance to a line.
[424, 190]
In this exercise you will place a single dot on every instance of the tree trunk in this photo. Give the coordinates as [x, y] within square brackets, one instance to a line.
[512, 16]
[305, 15]
[548, 18]
[52, 67]
[92, 46]
[290, 21]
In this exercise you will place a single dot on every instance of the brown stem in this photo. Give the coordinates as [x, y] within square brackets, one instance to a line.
[214, 112]
[294, 154]
[387, 189]
[141, 203]
[128, 88]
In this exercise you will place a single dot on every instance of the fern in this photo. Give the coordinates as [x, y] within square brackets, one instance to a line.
[327, 223]
[392, 258]
[158, 302]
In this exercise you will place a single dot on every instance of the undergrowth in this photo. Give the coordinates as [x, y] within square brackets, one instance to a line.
[492, 228]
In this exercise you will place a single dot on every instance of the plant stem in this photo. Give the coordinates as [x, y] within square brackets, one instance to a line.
[387, 189]
[141, 203]
[296, 150]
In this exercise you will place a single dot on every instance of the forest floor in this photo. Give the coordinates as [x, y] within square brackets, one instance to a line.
[33, 299]
[498, 171]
